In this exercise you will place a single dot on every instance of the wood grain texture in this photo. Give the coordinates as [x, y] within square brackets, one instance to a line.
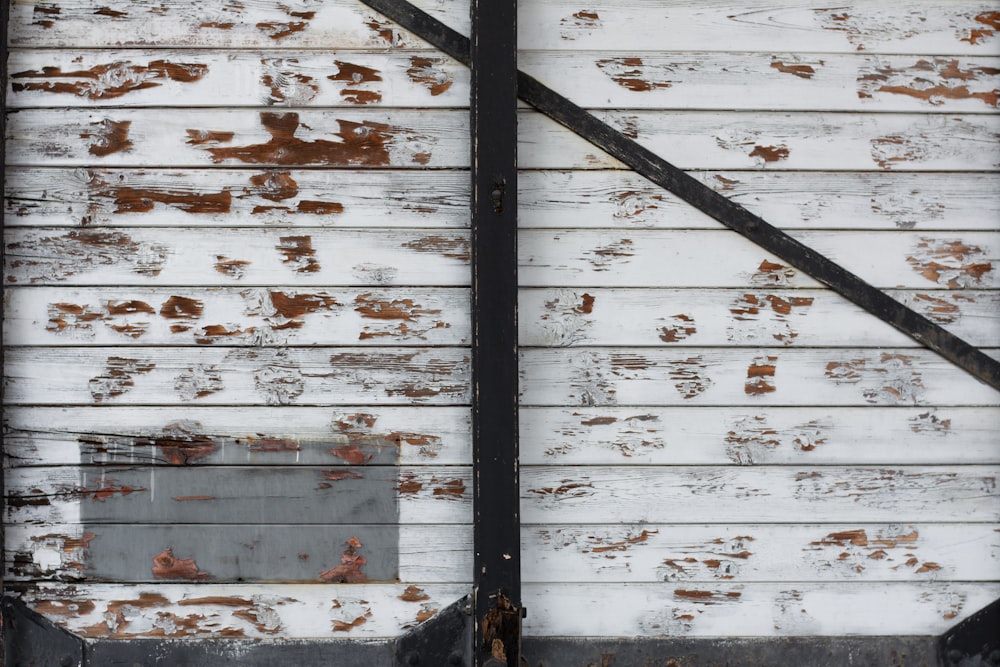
[748, 553]
[233, 317]
[752, 610]
[802, 26]
[241, 376]
[302, 24]
[201, 435]
[636, 494]
[693, 140]
[732, 376]
[234, 553]
[552, 317]
[91, 197]
[260, 495]
[702, 259]
[410, 139]
[789, 200]
[199, 138]
[639, 79]
[757, 436]
[183, 611]
[265, 78]
[193, 256]
[778, 81]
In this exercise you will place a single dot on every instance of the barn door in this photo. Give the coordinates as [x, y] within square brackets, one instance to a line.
[244, 352]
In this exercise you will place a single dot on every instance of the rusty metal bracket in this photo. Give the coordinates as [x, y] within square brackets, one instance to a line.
[648, 164]
[975, 642]
[444, 640]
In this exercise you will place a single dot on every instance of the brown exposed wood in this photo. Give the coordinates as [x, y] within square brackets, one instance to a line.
[108, 81]
[299, 253]
[350, 569]
[109, 137]
[630, 73]
[118, 378]
[428, 71]
[801, 71]
[168, 566]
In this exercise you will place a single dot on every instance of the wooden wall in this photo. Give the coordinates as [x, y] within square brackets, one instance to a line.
[236, 301]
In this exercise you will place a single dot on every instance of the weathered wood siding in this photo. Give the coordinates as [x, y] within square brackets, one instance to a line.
[712, 443]
[236, 320]
[236, 301]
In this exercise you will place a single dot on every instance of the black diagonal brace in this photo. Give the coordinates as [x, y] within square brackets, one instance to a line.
[707, 200]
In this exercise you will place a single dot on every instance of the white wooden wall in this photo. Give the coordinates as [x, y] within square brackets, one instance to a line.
[237, 260]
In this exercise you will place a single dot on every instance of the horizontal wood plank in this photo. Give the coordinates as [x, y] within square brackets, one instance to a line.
[637, 494]
[757, 436]
[263, 495]
[692, 80]
[235, 317]
[751, 377]
[202, 435]
[240, 79]
[207, 611]
[702, 259]
[230, 137]
[768, 81]
[803, 318]
[751, 610]
[882, 26]
[242, 376]
[236, 198]
[775, 141]
[760, 553]
[192, 256]
[264, 24]
[789, 200]
[250, 553]
[416, 139]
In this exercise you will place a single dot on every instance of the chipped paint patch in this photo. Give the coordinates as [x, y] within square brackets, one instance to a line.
[929, 422]
[430, 73]
[633, 203]
[452, 247]
[740, 140]
[279, 382]
[562, 323]
[718, 558]
[952, 264]
[579, 24]
[358, 80]
[409, 314]
[932, 80]
[762, 318]
[168, 566]
[50, 258]
[604, 257]
[632, 74]
[106, 81]
[795, 68]
[118, 377]
[298, 253]
[234, 268]
[108, 136]
[349, 614]
[679, 327]
[689, 376]
[753, 441]
[942, 309]
[979, 34]
[286, 85]
[852, 552]
[772, 274]
[760, 376]
[891, 379]
[199, 381]
[350, 569]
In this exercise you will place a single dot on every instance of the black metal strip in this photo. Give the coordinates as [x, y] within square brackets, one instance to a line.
[707, 200]
[496, 492]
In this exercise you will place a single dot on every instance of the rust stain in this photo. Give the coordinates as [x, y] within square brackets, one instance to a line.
[452, 247]
[298, 253]
[168, 566]
[202, 137]
[989, 19]
[801, 71]
[361, 144]
[759, 376]
[350, 569]
[454, 488]
[414, 594]
[632, 74]
[681, 327]
[285, 85]
[930, 81]
[118, 377]
[108, 81]
[109, 136]
[430, 73]
[770, 153]
[953, 264]
[234, 268]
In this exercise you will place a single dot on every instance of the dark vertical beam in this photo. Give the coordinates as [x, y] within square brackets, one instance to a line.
[493, 113]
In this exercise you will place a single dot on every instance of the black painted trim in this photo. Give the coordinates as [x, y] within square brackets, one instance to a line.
[496, 492]
[975, 641]
[707, 200]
